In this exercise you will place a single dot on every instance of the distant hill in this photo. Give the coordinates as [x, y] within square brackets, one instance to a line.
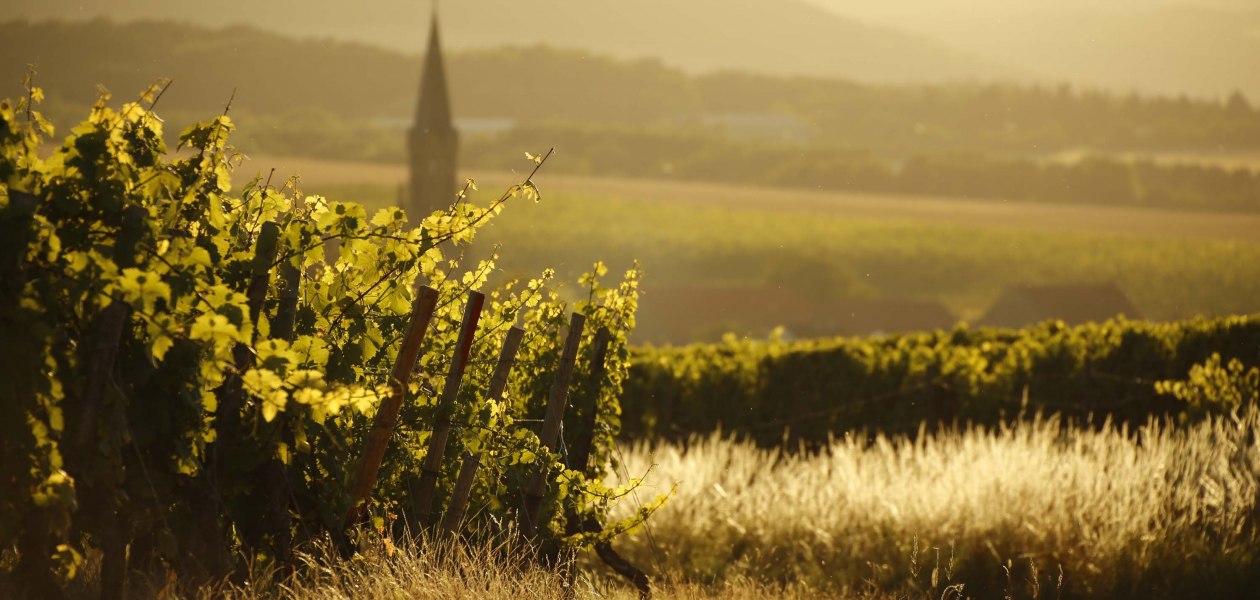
[272, 73]
[1170, 50]
[787, 37]
[1197, 47]
[322, 89]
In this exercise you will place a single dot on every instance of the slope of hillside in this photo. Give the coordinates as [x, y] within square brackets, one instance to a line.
[778, 36]
[1165, 46]
[1169, 50]
[273, 73]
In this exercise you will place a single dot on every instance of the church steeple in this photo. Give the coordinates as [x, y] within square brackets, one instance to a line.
[433, 141]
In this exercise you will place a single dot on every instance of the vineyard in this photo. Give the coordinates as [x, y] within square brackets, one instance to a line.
[819, 388]
[1172, 264]
[203, 383]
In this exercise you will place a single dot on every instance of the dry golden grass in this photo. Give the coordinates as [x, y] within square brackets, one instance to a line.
[443, 570]
[1160, 512]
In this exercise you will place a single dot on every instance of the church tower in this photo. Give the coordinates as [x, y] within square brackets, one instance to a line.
[432, 141]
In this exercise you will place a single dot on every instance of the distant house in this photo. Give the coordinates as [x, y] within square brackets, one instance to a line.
[679, 314]
[1074, 304]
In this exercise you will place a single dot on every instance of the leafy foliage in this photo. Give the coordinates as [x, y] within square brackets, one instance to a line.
[194, 371]
[1215, 386]
[813, 388]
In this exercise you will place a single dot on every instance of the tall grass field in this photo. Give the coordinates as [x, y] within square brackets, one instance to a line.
[1040, 509]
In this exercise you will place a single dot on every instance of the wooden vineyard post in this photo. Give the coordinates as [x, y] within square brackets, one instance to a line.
[282, 327]
[583, 438]
[15, 237]
[432, 467]
[557, 401]
[387, 416]
[468, 469]
[264, 255]
[107, 335]
[507, 357]
[34, 566]
[579, 460]
[271, 478]
[231, 393]
[463, 488]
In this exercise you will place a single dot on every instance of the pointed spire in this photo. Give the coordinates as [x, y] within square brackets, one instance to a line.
[433, 141]
[433, 111]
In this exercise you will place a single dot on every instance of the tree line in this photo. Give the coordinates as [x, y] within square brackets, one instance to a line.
[705, 154]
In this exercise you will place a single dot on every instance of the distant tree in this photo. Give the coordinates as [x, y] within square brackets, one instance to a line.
[1237, 104]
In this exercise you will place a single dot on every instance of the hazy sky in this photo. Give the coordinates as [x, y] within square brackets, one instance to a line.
[929, 14]
[1171, 46]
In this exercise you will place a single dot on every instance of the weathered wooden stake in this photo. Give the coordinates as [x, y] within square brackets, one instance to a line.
[271, 477]
[463, 488]
[432, 468]
[387, 415]
[106, 336]
[503, 368]
[458, 505]
[33, 574]
[231, 393]
[579, 459]
[282, 327]
[557, 401]
[232, 398]
[584, 437]
[264, 256]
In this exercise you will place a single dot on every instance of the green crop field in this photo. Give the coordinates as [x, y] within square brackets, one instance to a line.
[827, 245]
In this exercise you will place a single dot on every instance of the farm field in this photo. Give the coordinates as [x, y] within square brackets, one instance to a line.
[376, 184]
[962, 253]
